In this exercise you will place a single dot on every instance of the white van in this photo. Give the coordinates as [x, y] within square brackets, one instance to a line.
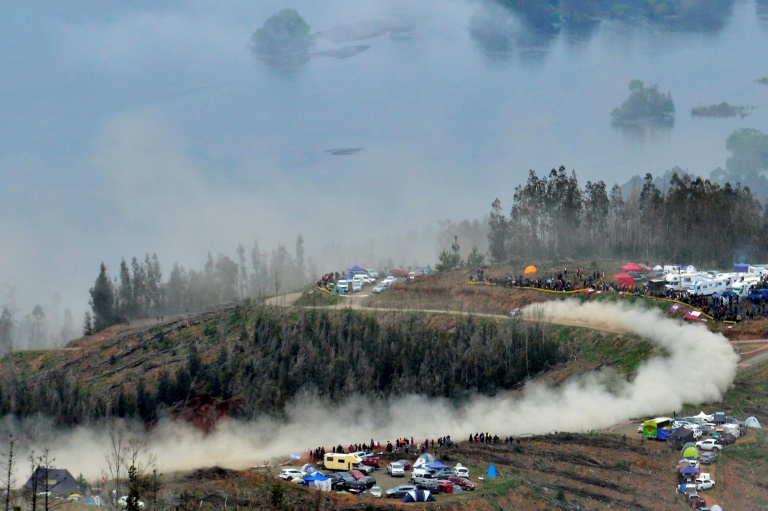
[461, 471]
[343, 285]
[357, 284]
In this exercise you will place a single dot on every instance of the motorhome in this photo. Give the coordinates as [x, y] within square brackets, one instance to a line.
[333, 461]
[682, 281]
[707, 287]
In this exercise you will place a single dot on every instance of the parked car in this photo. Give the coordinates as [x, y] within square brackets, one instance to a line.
[344, 481]
[356, 474]
[398, 492]
[704, 482]
[357, 285]
[707, 428]
[372, 461]
[696, 431]
[395, 469]
[368, 481]
[707, 458]
[373, 274]
[461, 471]
[444, 473]
[379, 288]
[290, 473]
[461, 482]
[390, 280]
[375, 492]
[365, 469]
[432, 485]
[406, 464]
[710, 444]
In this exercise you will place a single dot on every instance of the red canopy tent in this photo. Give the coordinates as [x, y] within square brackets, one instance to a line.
[625, 279]
[631, 267]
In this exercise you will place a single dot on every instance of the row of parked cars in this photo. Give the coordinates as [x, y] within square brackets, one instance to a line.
[434, 480]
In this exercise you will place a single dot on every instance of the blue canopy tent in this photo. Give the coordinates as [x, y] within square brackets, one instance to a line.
[355, 268]
[419, 496]
[317, 476]
[436, 465]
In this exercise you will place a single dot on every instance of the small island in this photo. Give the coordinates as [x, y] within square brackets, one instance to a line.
[722, 110]
[645, 104]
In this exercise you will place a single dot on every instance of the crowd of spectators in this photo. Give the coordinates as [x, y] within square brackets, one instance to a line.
[721, 307]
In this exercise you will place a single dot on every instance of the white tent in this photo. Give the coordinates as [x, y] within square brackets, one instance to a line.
[703, 416]
[657, 268]
[690, 269]
[752, 422]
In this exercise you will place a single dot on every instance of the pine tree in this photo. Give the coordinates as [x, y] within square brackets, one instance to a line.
[103, 301]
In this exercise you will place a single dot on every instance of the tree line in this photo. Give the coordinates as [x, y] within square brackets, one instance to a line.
[688, 219]
[263, 357]
[139, 290]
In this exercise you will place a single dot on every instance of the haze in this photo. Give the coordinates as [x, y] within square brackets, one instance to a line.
[593, 402]
[150, 127]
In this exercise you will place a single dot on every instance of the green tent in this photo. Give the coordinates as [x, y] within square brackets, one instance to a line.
[690, 452]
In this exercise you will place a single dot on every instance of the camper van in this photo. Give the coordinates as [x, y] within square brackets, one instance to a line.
[707, 287]
[333, 461]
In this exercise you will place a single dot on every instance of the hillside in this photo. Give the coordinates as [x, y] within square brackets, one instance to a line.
[216, 365]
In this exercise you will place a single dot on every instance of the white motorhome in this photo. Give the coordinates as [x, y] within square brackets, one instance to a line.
[707, 287]
[683, 281]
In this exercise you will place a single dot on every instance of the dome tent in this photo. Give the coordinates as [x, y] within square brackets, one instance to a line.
[752, 422]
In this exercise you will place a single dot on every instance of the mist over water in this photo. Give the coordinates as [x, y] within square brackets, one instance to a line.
[151, 127]
[695, 367]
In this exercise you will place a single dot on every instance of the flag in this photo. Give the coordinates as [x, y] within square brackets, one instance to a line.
[692, 314]
[674, 307]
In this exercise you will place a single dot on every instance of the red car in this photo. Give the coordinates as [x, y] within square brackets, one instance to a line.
[372, 461]
[462, 482]
[356, 474]
[405, 463]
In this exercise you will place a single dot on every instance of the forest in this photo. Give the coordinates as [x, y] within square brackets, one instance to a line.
[689, 219]
[262, 357]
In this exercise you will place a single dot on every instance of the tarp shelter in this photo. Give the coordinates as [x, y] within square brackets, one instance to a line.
[318, 481]
[690, 453]
[752, 422]
[419, 496]
[492, 471]
[662, 434]
[436, 465]
[741, 268]
[689, 470]
[631, 267]
[679, 436]
[624, 279]
[423, 460]
[355, 268]
[530, 269]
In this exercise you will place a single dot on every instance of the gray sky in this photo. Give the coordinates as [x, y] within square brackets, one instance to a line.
[135, 127]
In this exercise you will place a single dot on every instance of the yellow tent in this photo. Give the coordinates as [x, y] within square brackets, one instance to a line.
[530, 269]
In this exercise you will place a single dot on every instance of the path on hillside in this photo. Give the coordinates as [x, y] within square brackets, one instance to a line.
[356, 302]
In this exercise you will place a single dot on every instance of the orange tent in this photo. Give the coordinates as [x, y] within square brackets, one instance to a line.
[530, 269]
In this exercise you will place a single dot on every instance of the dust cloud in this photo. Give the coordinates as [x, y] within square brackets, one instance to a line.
[695, 366]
